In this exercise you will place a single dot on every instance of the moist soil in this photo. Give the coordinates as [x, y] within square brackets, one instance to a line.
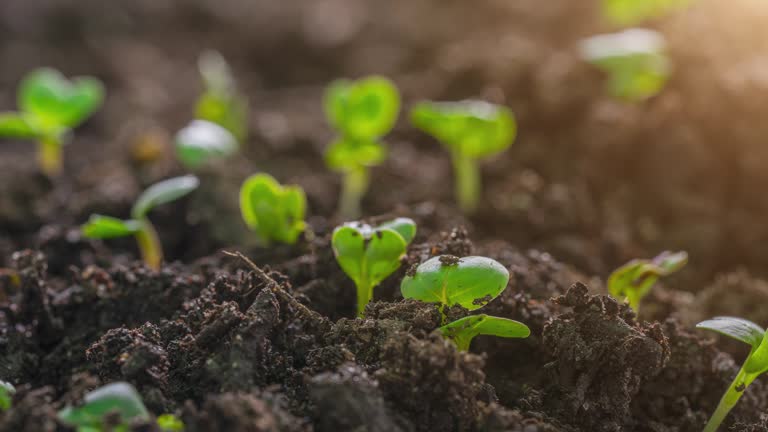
[589, 184]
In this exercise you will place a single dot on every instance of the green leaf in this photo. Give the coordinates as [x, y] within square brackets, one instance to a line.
[15, 125]
[470, 282]
[635, 279]
[105, 227]
[462, 331]
[221, 103]
[57, 103]
[737, 328]
[362, 110]
[406, 227]
[202, 142]
[162, 193]
[7, 390]
[274, 212]
[170, 423]
[117, 397]
[474, 129]
[345, 155]
[368, 255]
[630, 12]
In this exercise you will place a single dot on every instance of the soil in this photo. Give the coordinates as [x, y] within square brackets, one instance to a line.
[589, 184]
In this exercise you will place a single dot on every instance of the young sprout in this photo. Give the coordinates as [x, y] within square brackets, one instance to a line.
[470, 282]
[755, 364]
[631, 12]
[273, 211]
[470, 130]
[361, 112]
[7, 390]
[221, 102]
[634, 280]
[170, 423]
[369, 254]
[139, 226]
[202, 142]
[634, 59]
[50, 106]
[119, 397]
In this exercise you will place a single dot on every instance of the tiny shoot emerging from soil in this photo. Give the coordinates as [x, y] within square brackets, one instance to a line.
[470, 130]
[7, 390]
[118, 397]
[50, 106]
[273, 211]
[361, 112]
[139, 226]
[470, 282]
[221, 102]
[755, 364]
[634, 280]
[369, 254]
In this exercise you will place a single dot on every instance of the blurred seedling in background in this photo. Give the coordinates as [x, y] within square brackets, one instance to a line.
[50, 106]
[170, 423]
[631, 12]
[139, 226]
[202, 142]
[471, 131]
[361, 112]
[634, 59]
[470, 282]
[221, 102]
[634, 280]
[7, 390]
[274, 212]
[755, 364]
[369, 254]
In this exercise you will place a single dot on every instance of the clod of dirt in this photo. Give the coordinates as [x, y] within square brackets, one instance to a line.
[241, 412]
[495, 418]
[32, 411]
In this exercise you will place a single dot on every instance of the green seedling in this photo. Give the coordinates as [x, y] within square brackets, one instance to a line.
[119, 397]
[7, 390]
[631, 12]
[471, 131]
[273, 211]
[635, 61]
[369, 254]
[634, 280]
[139, 226]
[361, 112]
[170, 423]
[202, 142]
[50, 106]
[470, 282]
[221, 102]
[755, 364]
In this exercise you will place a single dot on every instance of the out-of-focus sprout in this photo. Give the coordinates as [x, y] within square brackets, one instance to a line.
[632, 12]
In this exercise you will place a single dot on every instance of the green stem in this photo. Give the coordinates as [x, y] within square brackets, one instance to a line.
[364, 296]
[737, 388]
[149, 245]
[355, 184]
[49, 156]
[634, 303]
[467, 181]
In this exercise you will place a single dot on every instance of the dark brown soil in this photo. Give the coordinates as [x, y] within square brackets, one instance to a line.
[589, 184]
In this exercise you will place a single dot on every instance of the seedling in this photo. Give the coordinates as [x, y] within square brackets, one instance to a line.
[50, 106]
[755, 364]
[634, 280]
[119, 397]
[202, 142]
[369, 254]
[634, 59]
[273, 211]
[361, 112]
[7, 390]
[170, 423]
[471, 282]
[139, 226]
[631, 12]
[221, 102]
[471, 131]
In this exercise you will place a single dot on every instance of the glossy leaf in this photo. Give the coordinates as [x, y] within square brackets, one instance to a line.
[105, 227]
[470, 281]
[7, 390]
[362, 110]
[58, 103]
[630, 12]
[274, 212]
[117, 397]
[344, 155]
[202, 142]
[462, 331]
[473, 129]
[737, 328]
[406, 227]
[15, 125]
[163, 192]
[636, 278]
[368, 255]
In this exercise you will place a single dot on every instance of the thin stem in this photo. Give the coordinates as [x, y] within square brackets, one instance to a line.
[634, 302]
[354, 186]
[149, 245]
[467, 187]
[364, 296]
[49, 156]
[737, 388]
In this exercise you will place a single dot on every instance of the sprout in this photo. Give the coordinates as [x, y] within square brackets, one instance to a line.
[170, 423]
[50, 106]
[470, 130]
[7, 390]
[274, 212]
[369, 254]
[221, 102]
[119, 397]
[470, 282]
[631, 12]
[105, 227]
[634, 280]
[755, 364]
[361, 112]
[634, 59]
[202, 141]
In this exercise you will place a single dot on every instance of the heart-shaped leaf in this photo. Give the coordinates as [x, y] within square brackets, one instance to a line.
[345, 154]
[119, 397]
[105, 227]
[737, 328]
[57, 103]
[163, 192]
[368, 255]
[273, 211]
[462, 331]
[362, 110]
[202, 142]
